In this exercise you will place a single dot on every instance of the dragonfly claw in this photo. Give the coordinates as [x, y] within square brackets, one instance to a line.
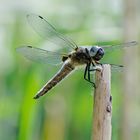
[98, 67]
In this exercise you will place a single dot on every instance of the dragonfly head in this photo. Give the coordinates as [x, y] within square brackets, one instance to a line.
[96, 52]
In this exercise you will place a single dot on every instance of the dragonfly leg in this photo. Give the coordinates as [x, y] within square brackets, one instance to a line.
[87, 75]
[96, 67]
[93, 69]
[88, 71]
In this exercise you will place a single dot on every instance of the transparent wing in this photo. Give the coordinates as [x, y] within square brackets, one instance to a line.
[114, 67]
[40, 55]
[46, 30]
[117, 68]
[114, 53]
[110, 48]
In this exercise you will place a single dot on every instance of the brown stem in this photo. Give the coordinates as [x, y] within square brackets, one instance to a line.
[102, 105]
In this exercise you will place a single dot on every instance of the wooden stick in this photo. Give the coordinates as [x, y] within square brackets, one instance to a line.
[102, 105]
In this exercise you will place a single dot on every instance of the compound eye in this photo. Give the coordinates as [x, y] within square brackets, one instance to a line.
[93, 51]
[101, 52]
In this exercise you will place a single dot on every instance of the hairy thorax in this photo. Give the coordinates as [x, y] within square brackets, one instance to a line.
[79, 57]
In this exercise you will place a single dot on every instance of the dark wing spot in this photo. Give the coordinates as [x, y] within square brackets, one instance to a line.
[40, 17]
[29, 46]
[135, 42]
[121, 65]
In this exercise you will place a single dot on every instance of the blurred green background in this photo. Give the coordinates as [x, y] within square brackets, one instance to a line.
[66, 112]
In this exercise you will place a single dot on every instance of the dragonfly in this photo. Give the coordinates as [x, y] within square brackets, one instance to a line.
[70, 55]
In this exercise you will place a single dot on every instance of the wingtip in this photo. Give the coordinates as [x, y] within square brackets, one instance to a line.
[134, 42]
[18, 49]
[32, 15]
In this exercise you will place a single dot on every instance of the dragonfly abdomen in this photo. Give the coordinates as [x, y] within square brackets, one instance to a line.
[64, 71]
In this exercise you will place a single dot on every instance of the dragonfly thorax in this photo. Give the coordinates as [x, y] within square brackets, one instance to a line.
[96, 52]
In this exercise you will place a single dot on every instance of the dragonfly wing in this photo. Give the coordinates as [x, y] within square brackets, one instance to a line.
[46, 30]
[114, 53]
[40, 55]
[116, 67]
[111, 48]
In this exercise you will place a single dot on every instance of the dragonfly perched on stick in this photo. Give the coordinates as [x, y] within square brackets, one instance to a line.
[80, 55]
